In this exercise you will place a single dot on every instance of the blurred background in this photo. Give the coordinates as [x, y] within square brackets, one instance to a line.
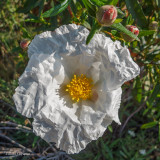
[138, 138]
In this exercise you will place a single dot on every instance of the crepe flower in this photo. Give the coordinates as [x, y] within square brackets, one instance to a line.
[73, 90]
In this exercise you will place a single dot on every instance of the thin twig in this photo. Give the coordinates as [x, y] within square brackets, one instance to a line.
[14, 142]
[16, 125]
[9, 157]
[14, 128]
[125, 123]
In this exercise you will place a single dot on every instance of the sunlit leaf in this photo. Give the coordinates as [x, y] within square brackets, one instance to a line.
[149, 125]
[118, 20]
[57, 9]
[138, 88]
[105, 2]
[145, 33]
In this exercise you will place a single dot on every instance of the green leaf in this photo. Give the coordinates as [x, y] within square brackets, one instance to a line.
[105, 2]
[33, 20]
[121, 28]
[97, 157]
[120, 12]
[157, 3]
[25, 33]
[152, 57]
[159, 132]
[96, 26]
[146, 33]
[118, 20]
[137, 12]
[154, 94]
[114, 2]
[98, 2]
[35, 141]
[30, 4]
[57, 9]
[156, 58]
[110, 128]
[41, 4]
[114, 32]
[129, 20]
[87, 25]
[91, 8]
[138, 88]
[149, 125]
[16, 120]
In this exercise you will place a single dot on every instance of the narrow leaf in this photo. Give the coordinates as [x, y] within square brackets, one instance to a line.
[90, 7]
[28, 5]
[57, 9]
[138, 89]
[121, 28]
[35, 141]
[41, 4]
[110, 128]
[120, 12]
[159, 132]
[94, 29]
[114, 2]
[146, 33]
[137, 12]
[105, 2]
[154, 94]
[149, 125]
[118, 20]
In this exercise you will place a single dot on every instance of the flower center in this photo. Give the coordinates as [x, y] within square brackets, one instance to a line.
[80, 87]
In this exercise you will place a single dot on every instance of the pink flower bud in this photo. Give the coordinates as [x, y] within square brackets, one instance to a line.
[134, 30]
[106, 15]
[153, 26]
[24, 43]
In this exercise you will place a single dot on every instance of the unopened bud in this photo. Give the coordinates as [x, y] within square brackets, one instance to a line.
[24, 44]
[106, 15]
[153, 26]
[134, 30]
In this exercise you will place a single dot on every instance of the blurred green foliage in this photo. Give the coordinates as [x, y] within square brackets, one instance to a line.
[24, 19]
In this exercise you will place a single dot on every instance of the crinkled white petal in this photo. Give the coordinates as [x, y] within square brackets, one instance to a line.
[54, 58]
[36, 84]
[73, 128]
[70, 40]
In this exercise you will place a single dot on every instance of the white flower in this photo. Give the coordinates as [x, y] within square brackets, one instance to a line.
[73, 90]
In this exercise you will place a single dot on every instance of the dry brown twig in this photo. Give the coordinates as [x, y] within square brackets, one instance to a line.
[14, 142]
[17, 126]
[16, 152]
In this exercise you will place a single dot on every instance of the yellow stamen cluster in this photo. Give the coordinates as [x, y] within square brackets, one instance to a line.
[80, 88]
